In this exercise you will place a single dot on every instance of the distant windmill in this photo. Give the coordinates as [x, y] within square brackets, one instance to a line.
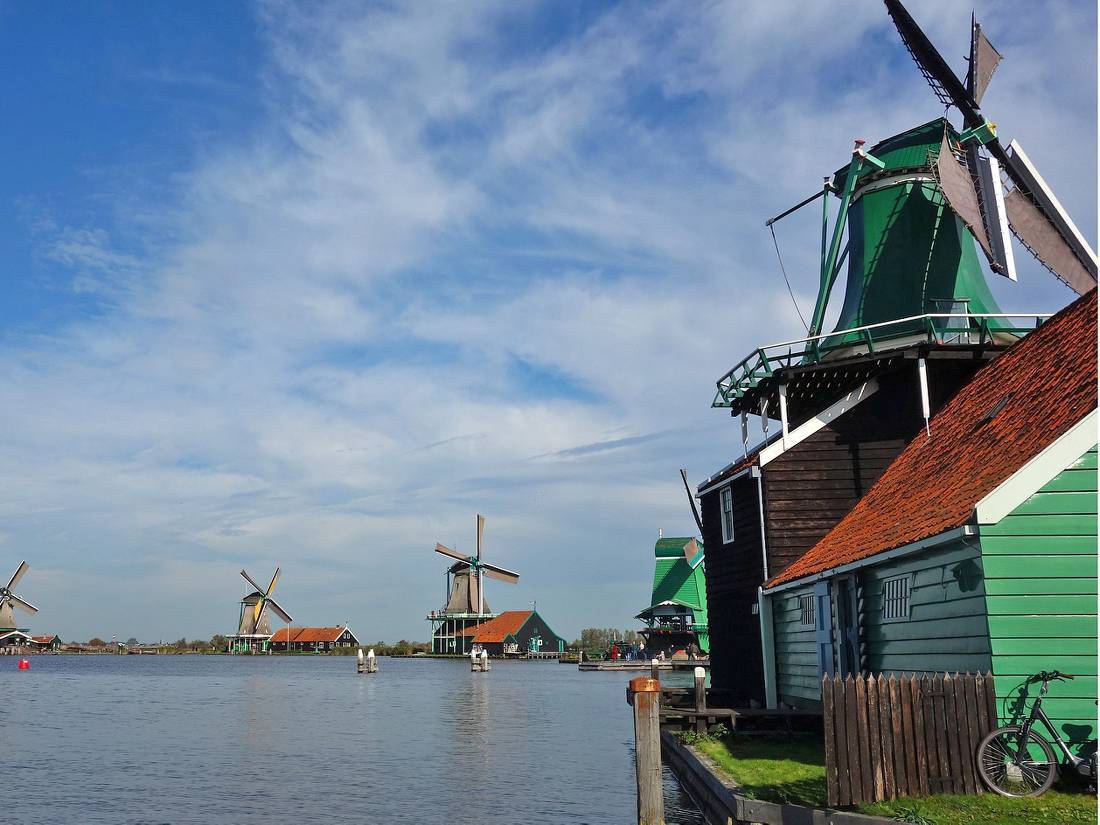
[468, 590]
[254, 623]
[9, 601]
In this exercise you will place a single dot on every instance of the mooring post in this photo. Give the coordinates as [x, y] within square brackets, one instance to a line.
[654, 669]
[484, 661]
[645, 696]
[361, 665]
[372, 661]
[700, 700]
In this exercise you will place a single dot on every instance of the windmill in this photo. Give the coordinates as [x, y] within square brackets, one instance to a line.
[466, 605]
[913, 210]
[9, 601]
[254, 626]
[974, 188]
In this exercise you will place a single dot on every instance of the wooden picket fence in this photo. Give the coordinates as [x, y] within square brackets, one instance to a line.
[909, 736]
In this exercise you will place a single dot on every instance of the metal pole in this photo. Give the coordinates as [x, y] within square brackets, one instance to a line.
[645, 695]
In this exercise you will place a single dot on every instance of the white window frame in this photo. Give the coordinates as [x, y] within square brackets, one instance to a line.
[726, 493]
[897, 593]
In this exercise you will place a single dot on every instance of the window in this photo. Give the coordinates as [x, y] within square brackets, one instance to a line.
[806, 608]
[726, 500]
[895, 598]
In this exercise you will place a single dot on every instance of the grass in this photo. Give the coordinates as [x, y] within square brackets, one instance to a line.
[793, 772]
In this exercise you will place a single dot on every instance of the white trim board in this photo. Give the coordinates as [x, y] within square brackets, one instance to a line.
[1038, 472]
[822, 419]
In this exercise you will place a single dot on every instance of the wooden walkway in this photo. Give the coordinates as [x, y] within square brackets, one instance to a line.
[643, 664]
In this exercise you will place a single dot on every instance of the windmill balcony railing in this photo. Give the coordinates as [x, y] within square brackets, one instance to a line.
[965, 328]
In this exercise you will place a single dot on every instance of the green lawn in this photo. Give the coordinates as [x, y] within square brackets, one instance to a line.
[794, 772]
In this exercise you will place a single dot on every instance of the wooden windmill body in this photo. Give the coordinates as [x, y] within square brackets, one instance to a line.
[466, 606]
[254, 625]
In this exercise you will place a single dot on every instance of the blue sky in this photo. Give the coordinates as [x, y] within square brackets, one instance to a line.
[312, 284]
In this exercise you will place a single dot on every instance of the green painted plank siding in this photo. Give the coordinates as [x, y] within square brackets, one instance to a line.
[798, 681]
[1040, 566]
[946, 629]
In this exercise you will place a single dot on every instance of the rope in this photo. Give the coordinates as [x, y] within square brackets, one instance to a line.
[783, 269]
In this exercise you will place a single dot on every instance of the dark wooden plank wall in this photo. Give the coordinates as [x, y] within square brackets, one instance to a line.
[734, 572]
[812, 486]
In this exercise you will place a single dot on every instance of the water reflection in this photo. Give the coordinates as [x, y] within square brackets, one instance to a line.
[306, 739]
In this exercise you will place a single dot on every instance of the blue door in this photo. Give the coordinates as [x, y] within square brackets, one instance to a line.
[823, 615]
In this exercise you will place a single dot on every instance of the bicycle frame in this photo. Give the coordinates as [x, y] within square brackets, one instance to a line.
[1038, 714]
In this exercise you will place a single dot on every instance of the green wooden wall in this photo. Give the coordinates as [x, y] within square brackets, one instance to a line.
[946, 628]
[797, 680]
[1040, 564]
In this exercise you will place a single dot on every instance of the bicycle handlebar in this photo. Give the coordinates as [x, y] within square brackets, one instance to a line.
[1050, 676]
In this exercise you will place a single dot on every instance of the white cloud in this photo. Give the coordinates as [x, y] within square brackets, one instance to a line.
[443, 264]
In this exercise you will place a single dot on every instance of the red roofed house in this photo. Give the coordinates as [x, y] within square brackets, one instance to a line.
[47, 642]
[313, 639]
[516, 633]
[975, 550]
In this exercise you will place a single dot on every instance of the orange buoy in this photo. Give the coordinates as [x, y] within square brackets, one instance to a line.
[24, 664]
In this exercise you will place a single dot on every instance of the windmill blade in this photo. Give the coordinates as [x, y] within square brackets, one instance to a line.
[282, 614]
[480, 532]
[691, 551]
[946, 85]
[984, 59]
[257, 612]
[499, 573]
[18, 602]
[443, 550]
[250, 580]
[1042, 224]
[958, 188]
[17, 575]
[271, 586]
[691, 501]
[987, 173]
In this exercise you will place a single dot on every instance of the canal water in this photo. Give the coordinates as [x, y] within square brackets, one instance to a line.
[268, 739]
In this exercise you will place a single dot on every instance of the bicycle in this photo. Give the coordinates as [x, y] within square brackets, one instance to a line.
[1017, 761]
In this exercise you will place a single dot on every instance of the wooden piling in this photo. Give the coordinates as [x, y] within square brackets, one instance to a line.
[361, 665]
[484, 661]
[475, 663]
[372, 661]
[654, 669]
[646, 698]
[700, 700]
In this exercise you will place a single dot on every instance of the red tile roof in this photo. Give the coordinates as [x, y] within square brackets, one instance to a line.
[496, 630]
[308, 634]
[43, 640]
[1048, 383]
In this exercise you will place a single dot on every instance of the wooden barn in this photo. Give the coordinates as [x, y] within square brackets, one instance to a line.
[975, 551]
[47, 642]
[313, 639]
[515, 633]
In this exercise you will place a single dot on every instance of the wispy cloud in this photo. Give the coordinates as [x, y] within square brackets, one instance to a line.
[462, 236]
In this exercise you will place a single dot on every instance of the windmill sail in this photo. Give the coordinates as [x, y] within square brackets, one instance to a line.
[9, 601]
[958, 188]
[984, 59]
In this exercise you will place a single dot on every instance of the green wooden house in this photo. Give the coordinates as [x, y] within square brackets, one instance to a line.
[676, 618]
[975, 551]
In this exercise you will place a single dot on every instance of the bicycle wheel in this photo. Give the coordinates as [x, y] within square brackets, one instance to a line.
[1011, 770]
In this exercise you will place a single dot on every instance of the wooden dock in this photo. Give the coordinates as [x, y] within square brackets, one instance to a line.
[644, 664]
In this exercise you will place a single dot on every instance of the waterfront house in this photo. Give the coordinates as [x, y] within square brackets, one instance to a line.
[47, 642]
[676, 618]
[313, 639]
[12, 641]
[514, 633]
[975, 551]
